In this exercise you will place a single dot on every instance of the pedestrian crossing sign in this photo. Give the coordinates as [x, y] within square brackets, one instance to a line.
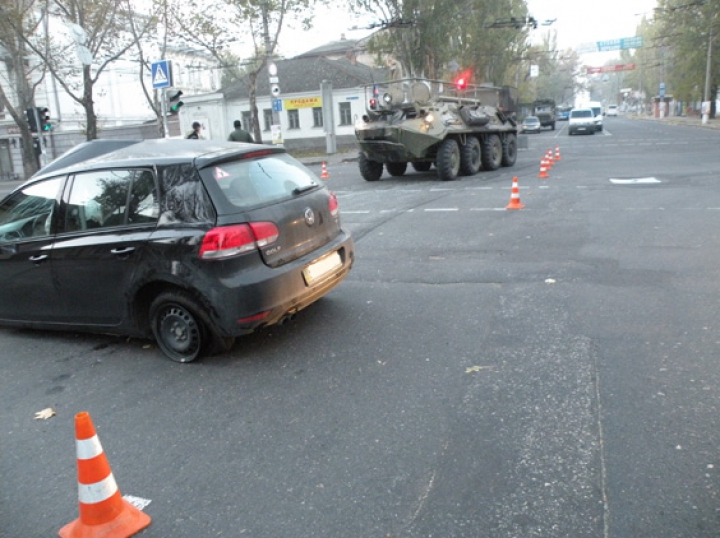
[161, 74]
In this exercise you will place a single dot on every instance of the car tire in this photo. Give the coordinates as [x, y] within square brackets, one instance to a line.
[369, 170]
[492, 153]
[470, 156]
[179, 327]
[510, 149]
[396, 169]
[421, 166]
[448, 160]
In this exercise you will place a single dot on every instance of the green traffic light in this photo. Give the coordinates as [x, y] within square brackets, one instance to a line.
[175, 107]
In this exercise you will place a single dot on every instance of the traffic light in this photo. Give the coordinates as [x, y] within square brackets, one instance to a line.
[175, 102]
[30, 115]
[44, 117]
[463, 79]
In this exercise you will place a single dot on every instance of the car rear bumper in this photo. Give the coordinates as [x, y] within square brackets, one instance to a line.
[266, 296]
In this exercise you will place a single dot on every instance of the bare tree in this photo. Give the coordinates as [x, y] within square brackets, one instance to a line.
[260, 21]
[103, 30]
[19, 22]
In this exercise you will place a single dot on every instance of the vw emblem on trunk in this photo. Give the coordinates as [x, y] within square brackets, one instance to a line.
[309, 217]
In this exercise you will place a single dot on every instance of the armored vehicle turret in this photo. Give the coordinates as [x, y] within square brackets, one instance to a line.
[424, 122]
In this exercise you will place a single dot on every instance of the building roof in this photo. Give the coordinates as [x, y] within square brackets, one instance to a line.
[341, 46]
[304, 74]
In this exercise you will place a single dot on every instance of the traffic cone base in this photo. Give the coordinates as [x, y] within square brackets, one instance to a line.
[123, 524]
[324, 174]
[515, 196]
[103, 511]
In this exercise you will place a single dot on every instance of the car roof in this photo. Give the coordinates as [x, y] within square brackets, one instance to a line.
[154, 152]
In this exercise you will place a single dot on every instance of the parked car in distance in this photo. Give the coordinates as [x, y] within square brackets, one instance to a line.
[612, 110]
[531, 124]
[582, 120]
[563, 113]
[189, 242]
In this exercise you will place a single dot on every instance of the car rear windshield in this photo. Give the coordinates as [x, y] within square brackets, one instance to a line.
[249, 182]
[581, 114]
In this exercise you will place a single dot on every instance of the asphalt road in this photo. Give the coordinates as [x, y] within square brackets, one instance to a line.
[546, 372]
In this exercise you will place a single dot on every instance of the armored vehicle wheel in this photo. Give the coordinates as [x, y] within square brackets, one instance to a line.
[369, 170]
[448, 160]
[470, 156]
[509, 155]
[492, 152]
[396, 169]
[421, 167]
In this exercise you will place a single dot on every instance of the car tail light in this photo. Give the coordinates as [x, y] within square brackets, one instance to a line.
[333, 205]
[227, 241]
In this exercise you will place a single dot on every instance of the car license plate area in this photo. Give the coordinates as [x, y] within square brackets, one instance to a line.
[319, 269]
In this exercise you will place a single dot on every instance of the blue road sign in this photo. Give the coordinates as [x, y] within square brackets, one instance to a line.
[162, 74]
[662, 89]
[277, 105]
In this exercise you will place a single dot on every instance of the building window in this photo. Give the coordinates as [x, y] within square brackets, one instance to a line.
[293, 119]
[247, 121]
[267, 118]
[317, 117]
[345, 114]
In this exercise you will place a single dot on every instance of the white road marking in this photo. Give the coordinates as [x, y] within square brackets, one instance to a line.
[634, 181]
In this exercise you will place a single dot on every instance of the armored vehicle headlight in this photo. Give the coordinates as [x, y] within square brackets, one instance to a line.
[429, 118]
[387, 98]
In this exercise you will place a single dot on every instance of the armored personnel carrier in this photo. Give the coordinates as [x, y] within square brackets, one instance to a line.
[425, 122]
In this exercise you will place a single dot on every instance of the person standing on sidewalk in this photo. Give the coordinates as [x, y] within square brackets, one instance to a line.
[195, 133]
[240, 134]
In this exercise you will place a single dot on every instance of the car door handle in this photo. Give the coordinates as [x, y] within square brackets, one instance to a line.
[122, 251]
[38, 258]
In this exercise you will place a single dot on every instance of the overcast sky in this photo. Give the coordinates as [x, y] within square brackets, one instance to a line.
[577, 22]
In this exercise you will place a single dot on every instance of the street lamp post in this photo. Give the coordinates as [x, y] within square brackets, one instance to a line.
[706, 93]
[272, 76]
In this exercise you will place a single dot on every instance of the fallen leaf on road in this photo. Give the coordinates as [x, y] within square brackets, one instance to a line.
[45, 413]
[477, 369]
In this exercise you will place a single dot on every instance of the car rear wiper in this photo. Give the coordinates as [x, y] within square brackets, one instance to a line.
[304, 188]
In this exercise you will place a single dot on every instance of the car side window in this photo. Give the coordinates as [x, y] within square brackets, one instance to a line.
[28, 213]
[109, 198]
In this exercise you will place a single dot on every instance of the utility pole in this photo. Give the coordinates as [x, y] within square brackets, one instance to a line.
[275, 102]
[706, 93]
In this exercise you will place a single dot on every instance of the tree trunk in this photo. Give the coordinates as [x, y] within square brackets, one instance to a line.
[91, 131]
[252, 96]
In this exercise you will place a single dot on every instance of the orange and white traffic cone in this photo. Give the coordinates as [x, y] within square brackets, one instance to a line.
[557, 153]
[103, 512]
[543, 169]
[549, 159]
[515, 196]
[324, 174]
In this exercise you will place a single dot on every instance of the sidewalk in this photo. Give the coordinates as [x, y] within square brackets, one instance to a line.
[689, 121]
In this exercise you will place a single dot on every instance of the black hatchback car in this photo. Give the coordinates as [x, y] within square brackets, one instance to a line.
[191, 242]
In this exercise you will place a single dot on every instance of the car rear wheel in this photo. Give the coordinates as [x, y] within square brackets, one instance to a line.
[369, 170]
[396, 169]
[509, 155]
[448, 160]
[470, 156]
[421, 167]
[492, 153]
[178, 327]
